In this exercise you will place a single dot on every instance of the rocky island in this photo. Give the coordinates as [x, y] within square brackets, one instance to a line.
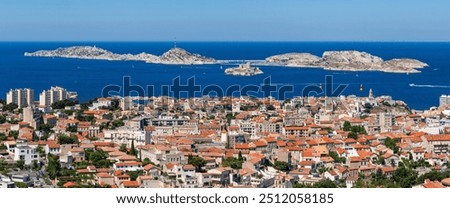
[173, 56]
[330, 60]
[243, 70]
[347, 61]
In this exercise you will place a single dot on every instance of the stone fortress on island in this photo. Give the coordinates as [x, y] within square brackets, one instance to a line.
[243, 70]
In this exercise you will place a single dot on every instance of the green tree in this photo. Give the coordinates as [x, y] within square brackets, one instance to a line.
[45, 128]
[108, 116]
[433, 176]
[281, 166]
[81, 117]
[72, 129]
[10, 107]
[62, 104]
[36, 165]
[347, 126]
[53, 167]
[117, 123]
[3, 137]
[134, 174]
[123, 148]
[378, 178]
[147, 161]
[64, 139]
[99, 159]
[3, 165]
[302, 185]
[21, 185]
[392, 144]
[327, 183]
[14, 134]
[352, 135]
[230, 117]
[240, 156]
[336, 157]
[197, 162]
[69, 112]
[405, 177]
[2, 119]
[233, 163]
[20, 164]
[133, 150]
[381, 161]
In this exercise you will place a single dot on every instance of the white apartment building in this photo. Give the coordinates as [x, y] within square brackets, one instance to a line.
[161, 155]
[125, 135]
[21, 97]
[55, 94]
[27, 153]
[444, 100]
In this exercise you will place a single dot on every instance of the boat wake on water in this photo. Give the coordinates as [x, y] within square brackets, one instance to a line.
[429, 86]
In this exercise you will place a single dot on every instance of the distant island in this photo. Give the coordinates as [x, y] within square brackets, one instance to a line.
[243, 70]
[347, 61]
[330, 60]
[173, 56]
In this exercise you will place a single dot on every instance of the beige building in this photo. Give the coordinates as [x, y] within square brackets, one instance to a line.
[55, 94]
[21, 97]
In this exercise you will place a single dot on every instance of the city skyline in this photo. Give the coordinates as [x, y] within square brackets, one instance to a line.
[287, 20]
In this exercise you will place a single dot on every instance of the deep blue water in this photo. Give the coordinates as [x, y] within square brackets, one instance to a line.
[89, 77]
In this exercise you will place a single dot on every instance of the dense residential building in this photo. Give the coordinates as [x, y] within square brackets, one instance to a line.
[31, 116]
[126, 135]
[54, 94]
[26, 153]
[207, 142]
[21, 97]
[444, 100]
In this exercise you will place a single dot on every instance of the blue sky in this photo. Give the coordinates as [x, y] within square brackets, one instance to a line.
[231, 20]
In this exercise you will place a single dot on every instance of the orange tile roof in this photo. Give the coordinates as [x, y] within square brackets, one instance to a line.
[131, 184]
[432, 184]
[388, 169]
[306, 163]
[242, 146]
[294, 128]
[128, 163]
[188, 167]
[104, 175]
[355, 159]
[281, 143]
[170, 165]
[70, 184]
[441, 137]
[149, 167]
[446, 181]
[260, 143]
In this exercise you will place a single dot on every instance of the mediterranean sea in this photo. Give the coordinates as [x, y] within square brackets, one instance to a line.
[88, 77]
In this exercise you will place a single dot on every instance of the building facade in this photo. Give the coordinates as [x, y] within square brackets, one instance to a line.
[55, 94]
[21, 97]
